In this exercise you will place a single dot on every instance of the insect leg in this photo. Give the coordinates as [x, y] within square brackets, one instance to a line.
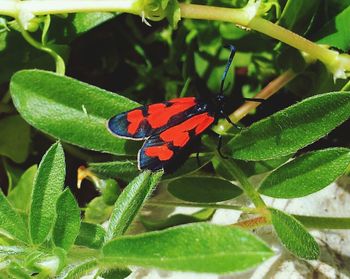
[233, 124]
[219, 148]
[198, 159]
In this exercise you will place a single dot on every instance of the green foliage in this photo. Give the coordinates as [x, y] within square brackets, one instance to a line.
[14, 138]
[130, 201]
[307, 174]
[294, 236]
[20, 197]
[43, 230]
[198, 247]
[67, 222]
[48, 185]
[10, 221]
[279, 134]
[69, 118]
[203, 189]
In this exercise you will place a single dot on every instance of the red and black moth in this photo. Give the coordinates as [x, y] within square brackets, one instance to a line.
[171, 128]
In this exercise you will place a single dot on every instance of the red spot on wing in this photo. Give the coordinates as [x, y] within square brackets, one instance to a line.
[135, 118]
[160, 114]
[179, 135]
[161, 151]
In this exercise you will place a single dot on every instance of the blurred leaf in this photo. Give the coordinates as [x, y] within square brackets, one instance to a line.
[336, 31]
[280, 134]
[67, 222]
[298, 14]
[20, 197]
[70, 110]
[110, 191]
[250, 168]
[294, 236]
[130, 202]
[199, 247]
[14, 138]
[90, 235]
[97, 211]
[203, 189]
[48, 185]
[177, 219]
[306, 174]
[10, 221]
[190, 166]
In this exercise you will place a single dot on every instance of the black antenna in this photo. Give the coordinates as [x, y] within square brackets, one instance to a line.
[228, 64]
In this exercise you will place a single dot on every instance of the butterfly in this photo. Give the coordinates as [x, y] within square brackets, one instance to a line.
[170, 129]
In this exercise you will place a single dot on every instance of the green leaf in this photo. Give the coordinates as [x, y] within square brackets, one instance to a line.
[14, 138]
[336, 31]
[70, 110]
[90, 235]
[130, 202]
[77, 270]
[48, 185]
[67, 224]
[291, 129]
[306, 174]
[294, 236]
[200, 248]
[177, 219]
[20, 197]
[10, 222]
[203, 189]
[124, 170]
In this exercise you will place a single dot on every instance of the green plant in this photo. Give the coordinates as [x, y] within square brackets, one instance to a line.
[42, 233]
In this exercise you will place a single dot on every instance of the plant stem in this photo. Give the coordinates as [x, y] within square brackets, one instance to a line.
[60, 65]
[38, 7]
[284, 35]
[248, 188]
[246, 17]
[252, 223]
[193, 11]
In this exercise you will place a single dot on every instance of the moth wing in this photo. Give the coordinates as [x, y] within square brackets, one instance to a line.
[170, 148]
[142, 122]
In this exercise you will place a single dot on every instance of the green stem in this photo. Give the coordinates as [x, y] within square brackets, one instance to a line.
[336, 63]
[39, 7]
[248, 188]
[346, 87]
[60, 65]
[284, 35]
[159, 203]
